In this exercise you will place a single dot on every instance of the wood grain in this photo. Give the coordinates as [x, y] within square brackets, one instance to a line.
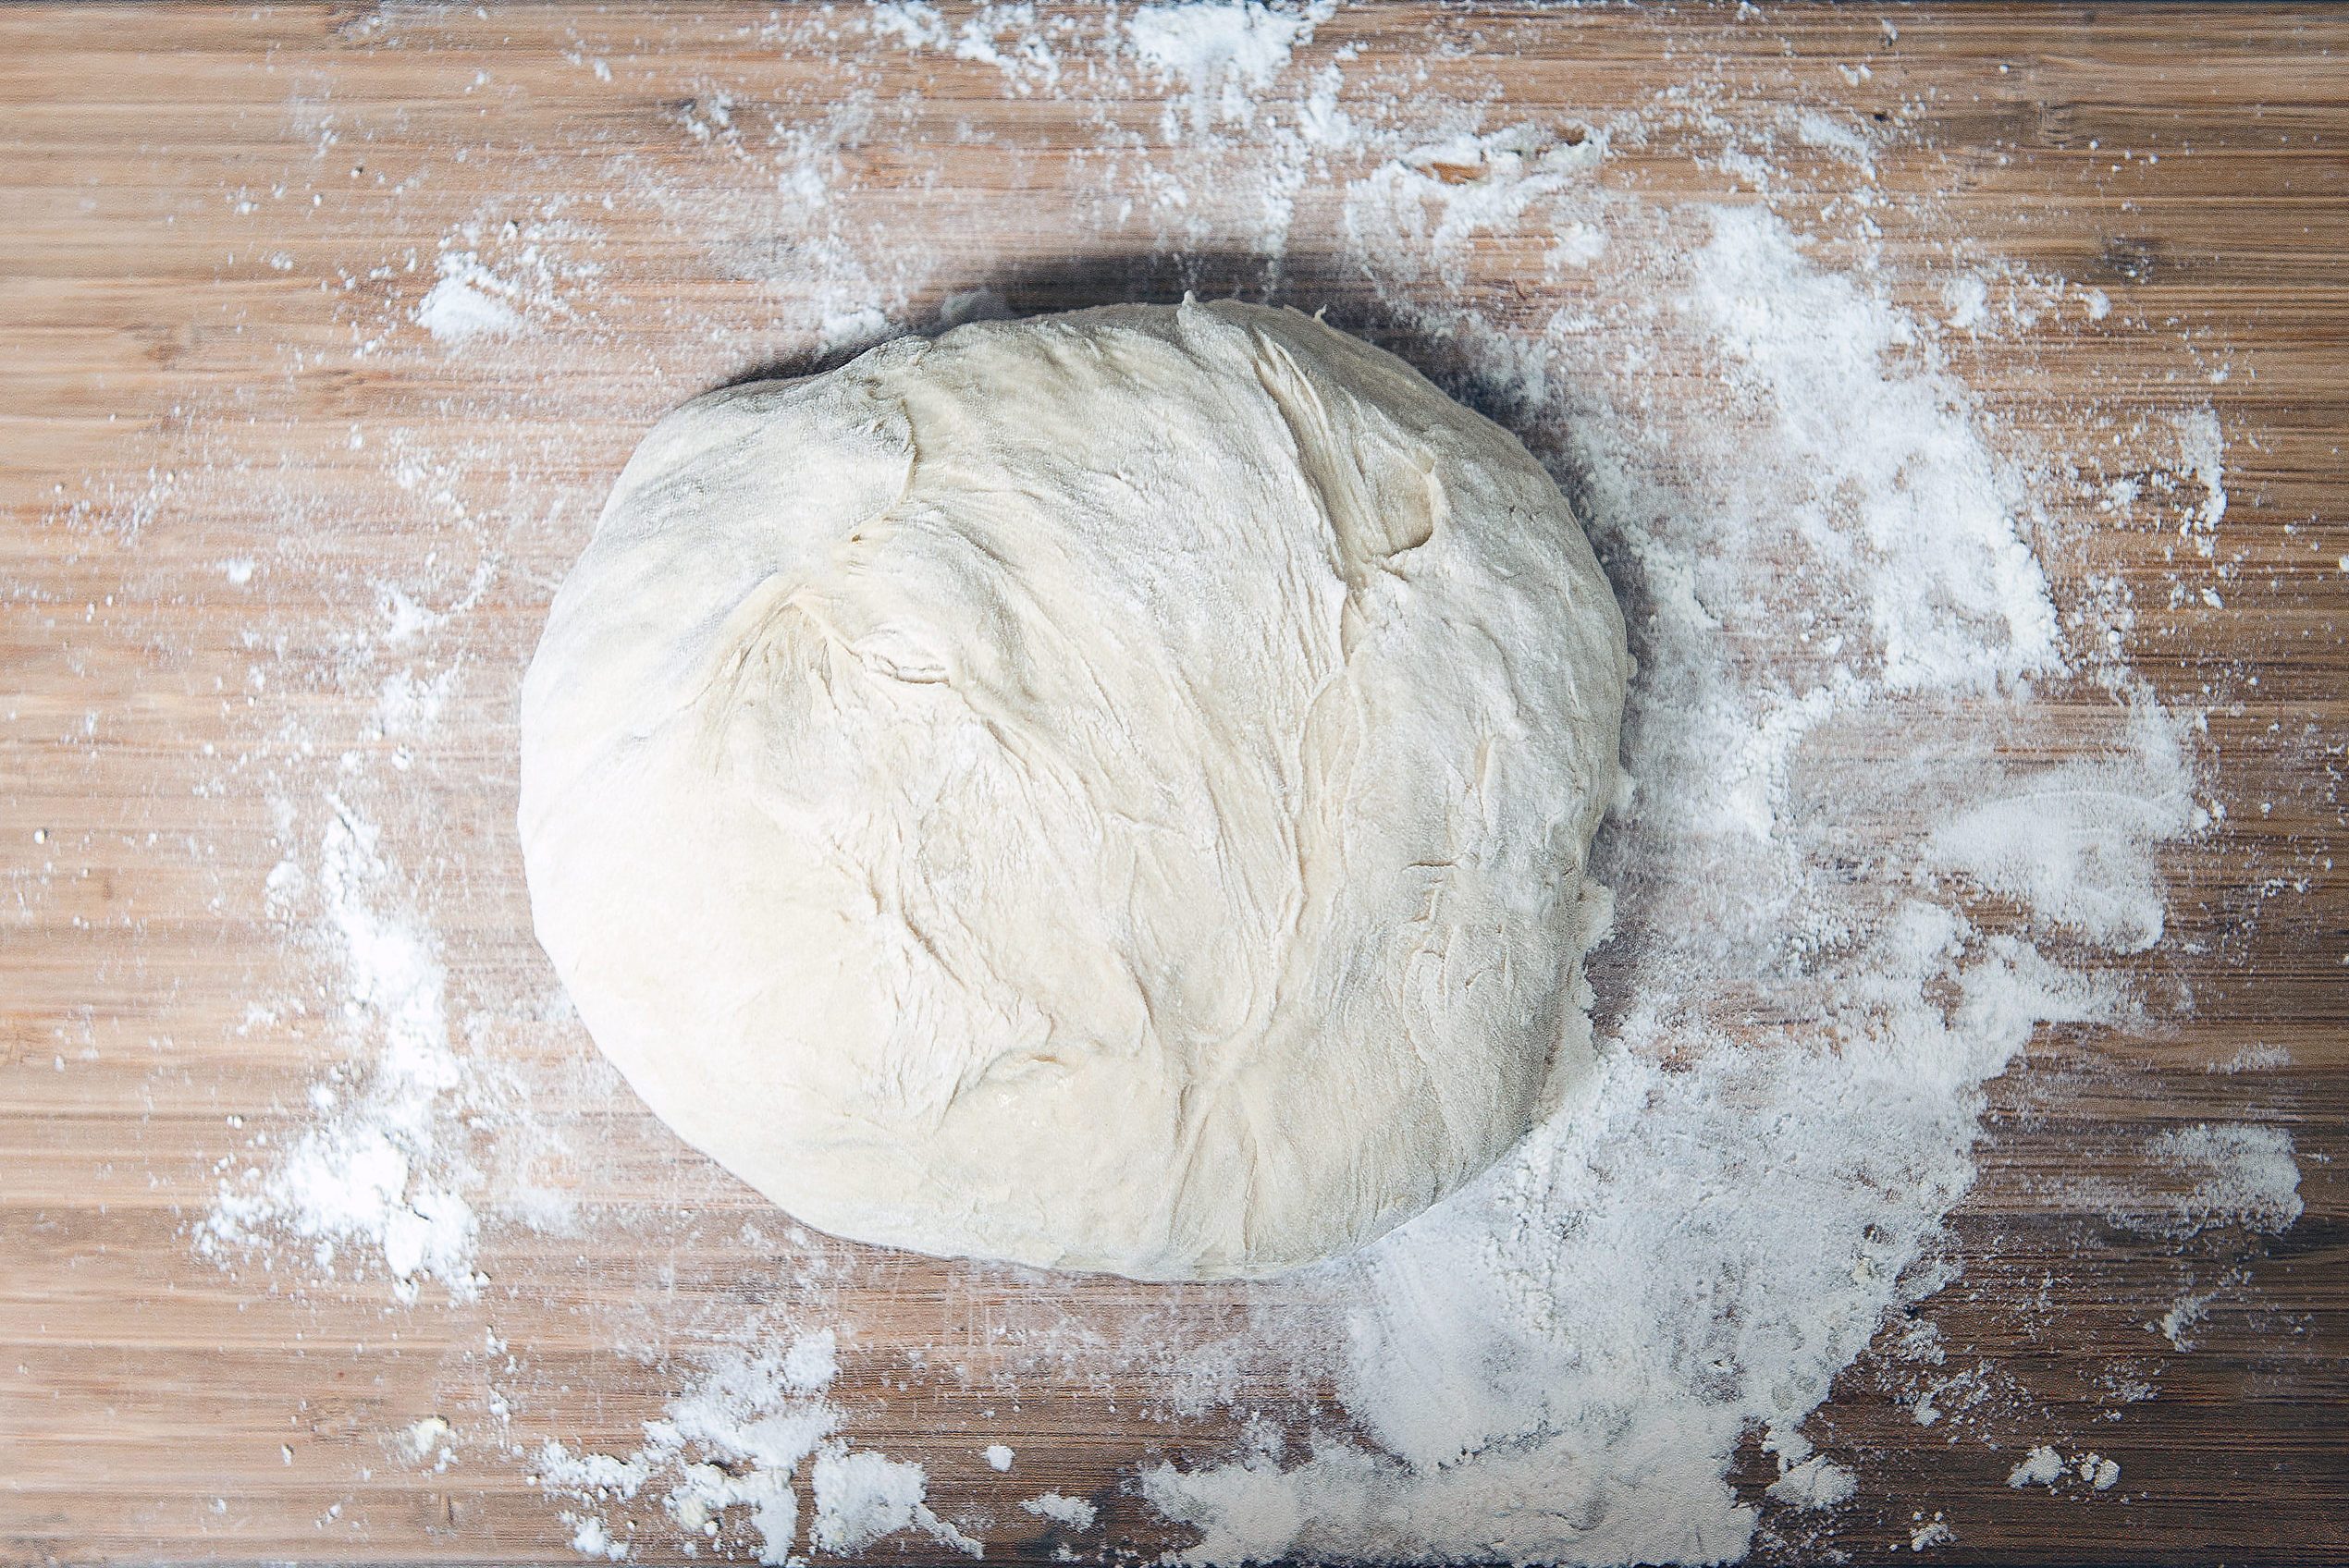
[174, 397]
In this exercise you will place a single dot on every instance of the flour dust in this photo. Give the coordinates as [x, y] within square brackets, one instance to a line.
[1867, 848]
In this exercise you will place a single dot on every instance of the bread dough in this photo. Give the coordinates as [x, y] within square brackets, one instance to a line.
[1107, 791]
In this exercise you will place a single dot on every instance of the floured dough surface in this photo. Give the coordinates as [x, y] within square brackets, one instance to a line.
[1107, 791]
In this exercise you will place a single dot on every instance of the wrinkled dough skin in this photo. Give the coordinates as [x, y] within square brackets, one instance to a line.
[1108, 791]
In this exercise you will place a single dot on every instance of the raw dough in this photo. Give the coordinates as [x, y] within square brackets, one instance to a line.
[1107, 791]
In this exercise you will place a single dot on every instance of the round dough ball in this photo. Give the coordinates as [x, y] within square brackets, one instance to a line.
[1108, 791]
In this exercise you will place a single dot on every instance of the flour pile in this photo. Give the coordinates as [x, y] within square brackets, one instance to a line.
[374, 1183]
[1897, 802]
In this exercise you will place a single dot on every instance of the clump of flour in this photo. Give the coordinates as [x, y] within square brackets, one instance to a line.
[469, 301]
[1223, 56]
[739, 1439]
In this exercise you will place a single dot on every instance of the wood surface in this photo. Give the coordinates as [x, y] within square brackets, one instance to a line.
[171, 397]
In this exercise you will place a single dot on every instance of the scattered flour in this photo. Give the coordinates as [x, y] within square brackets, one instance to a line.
[1223, 54]
[912, 24]
[1073, 1512]
[589, 1538]
[1854, 871]
[2242, 1175]
[1817, 1482]
[427, 1437]
[1967, 300]
[2202, 454]
[860, 1497]
[1559, 1364]
[2185, 1315]
[2044, 1467]
[2208, 1177]
[411, 708]
[1011, 39]
[2076, 845]
[738, 1439]
[376, 1172]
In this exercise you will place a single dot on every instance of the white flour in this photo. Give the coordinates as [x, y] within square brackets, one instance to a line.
[374, 1174]
[1073, 1512]
[1223, 56]
[469, 301]
[737, 1439]
[2241, 1175]
[1871, 846]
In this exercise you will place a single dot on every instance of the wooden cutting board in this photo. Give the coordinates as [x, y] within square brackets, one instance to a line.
[209, 471]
